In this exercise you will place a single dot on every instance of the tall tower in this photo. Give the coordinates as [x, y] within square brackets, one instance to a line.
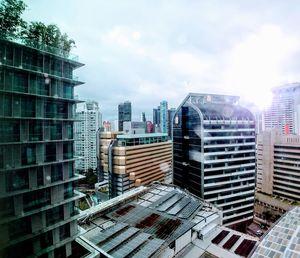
[124, 113]
[284, 112]
[214, 153]
[89, 121]
[164, 116]
[37, 196]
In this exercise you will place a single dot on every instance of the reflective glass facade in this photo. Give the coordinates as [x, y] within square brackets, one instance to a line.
[214, 153]
[36, 152]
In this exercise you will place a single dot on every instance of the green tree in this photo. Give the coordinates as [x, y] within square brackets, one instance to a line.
[10, 17]
[91, 177]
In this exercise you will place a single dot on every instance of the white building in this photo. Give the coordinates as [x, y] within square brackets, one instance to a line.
[85, 134]
[284, 112]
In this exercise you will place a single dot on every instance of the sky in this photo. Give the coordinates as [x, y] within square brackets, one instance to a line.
[146, 51]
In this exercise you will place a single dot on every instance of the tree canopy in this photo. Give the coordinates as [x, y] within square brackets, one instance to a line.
[33, 33]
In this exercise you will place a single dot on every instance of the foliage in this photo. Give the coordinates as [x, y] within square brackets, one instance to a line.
[35, 34]
[83, 205]
[91, 177]
[10, 16]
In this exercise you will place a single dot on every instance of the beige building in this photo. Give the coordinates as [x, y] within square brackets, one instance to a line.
[130, 160]
[278, 174]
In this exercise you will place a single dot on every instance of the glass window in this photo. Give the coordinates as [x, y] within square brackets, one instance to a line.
[7, 207]
[1, 78]
[36, 199]
[28, 155]
[67, 91]
[1, 157]
[56, 130]
[64, 232]
[69, 129]
[28, 107]
[56, 172]
[55, 215]
[46, 240]
[68, 150]
[19, 228]
[68, 190]
[17, 180]
[9, 55]
[7, 105]
[9, 131]
[20, 82]
[40, 176]
[35, 131]
[50, 152]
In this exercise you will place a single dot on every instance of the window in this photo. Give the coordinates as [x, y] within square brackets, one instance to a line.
[68, 150]
[20, 82]
[68, 190]
[17, 180]
[46, 239]
[56, 131]
[40, 176]
[19, 228]
[55, 215]
[56, 172]
[67, 91]
[28, 155]
[28, 107]
[9, 131]
[7, 207]
[50, 152]
[36, 199]
[64, 232]
[35, 131]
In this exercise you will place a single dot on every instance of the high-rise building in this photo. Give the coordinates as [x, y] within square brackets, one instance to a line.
[214, 153]
[124, 113]
[284, 112]
[278, 166]
[164, 116]
[171, 113]
[89, 121]
[156, 116]
[143, 117]
[132, 160]
[37, 197]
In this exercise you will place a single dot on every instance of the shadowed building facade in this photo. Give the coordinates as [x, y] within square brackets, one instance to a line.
[214, 153]
[37, 197]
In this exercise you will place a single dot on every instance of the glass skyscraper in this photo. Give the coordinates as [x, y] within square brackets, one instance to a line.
[124, 110]
[164, 116]
[37, 196]
[214, 153]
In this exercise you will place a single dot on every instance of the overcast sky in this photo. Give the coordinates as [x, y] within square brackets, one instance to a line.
[148, 51]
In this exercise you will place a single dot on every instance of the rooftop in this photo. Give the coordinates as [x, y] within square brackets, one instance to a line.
[160, 221]
[282, 240]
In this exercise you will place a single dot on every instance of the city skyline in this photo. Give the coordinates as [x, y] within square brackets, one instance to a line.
[145, 52]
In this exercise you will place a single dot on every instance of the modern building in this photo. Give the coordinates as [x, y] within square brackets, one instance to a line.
[164, 116]
[171, 114]
[131, 160]
[134, 127]
[156, 116]
[38, 217]
[278, 168]
[124, 111]
[284, 112]
[143, 117]
[214, 153]
[89, 120]
[282, 240]
[161, 221]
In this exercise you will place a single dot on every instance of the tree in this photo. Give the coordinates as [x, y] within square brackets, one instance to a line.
[10, 17]
[38, 34]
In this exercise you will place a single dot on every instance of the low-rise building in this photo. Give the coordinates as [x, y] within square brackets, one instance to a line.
[161, 220]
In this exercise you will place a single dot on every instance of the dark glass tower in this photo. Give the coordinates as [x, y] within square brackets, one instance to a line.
[37, 197]
[214, 153]
[124, 110]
